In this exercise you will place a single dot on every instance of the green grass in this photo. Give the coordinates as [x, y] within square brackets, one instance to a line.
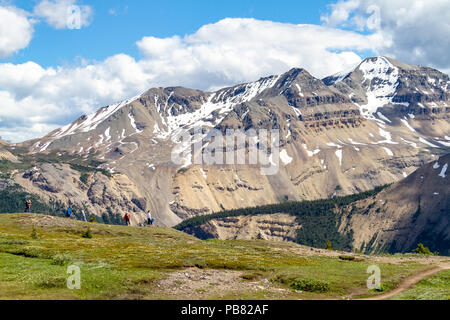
[126, 262]
[436, 287]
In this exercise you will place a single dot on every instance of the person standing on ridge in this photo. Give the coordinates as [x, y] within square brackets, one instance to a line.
[127, 219]
[68, 212]
[27, 205]
[150, 220]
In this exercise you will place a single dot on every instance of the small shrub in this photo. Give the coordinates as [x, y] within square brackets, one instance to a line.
[421, 249]
[84, 178]
[386, 286]
[14, 242]
[87, 234]
[29, 252]
[34, 234]
[251, 276]
[347, 258]
[328, 246]
[311, 285]
[61, 259]
[195, 262]
[56, 282]
[182, 170]
[92, 219]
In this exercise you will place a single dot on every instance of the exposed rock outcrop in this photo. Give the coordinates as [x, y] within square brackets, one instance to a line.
[275, 227]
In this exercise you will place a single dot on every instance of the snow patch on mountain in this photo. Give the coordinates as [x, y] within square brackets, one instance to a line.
[133, 123]
[93, 120]
[382, 117]
[203, 173]
[299, 90]
[356, 143]
[310, 153]
[387, 135]
[427, 143]
[220, 103]
[284, 156]
[339, 155]
[413, 144]
[381, 78]
[388, 151]
[443, 171]
[444, 143]
[332, 144]
[107, 134]
[405, 122]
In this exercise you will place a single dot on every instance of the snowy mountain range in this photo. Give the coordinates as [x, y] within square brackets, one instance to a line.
[372, 125]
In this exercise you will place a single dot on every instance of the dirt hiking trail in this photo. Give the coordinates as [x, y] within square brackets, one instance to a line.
[410, 282]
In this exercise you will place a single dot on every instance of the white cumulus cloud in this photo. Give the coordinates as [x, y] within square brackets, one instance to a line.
[16, 31]
[64, 14]
[237, 50]
[414, 31]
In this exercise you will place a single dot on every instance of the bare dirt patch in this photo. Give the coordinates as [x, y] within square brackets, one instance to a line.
[46, 221]
[194, 283]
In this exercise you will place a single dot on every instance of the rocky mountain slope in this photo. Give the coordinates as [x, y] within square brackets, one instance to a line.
[340, 135]
[5, 154]
[411, 211]
[416, 209]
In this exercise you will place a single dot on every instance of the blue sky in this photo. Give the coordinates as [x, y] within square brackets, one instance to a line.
[55, 74]
[110, 33]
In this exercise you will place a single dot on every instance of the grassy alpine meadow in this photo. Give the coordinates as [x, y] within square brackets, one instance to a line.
[118, 262]
[436, 287]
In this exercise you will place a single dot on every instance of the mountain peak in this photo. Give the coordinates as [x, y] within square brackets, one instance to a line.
[369, 66]
[389, 61]
[296, 70]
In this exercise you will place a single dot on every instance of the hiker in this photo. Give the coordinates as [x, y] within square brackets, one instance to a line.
[68, 212]
[127, 219]
[27, 205]
[84, 215]
[150, 220]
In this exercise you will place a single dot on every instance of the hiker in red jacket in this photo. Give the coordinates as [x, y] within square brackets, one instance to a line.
[127, 219]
